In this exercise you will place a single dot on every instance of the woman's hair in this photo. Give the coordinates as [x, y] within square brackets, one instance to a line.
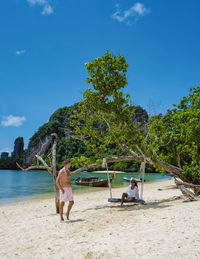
[134, 181]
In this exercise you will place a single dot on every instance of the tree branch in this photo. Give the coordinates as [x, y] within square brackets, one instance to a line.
[130, 150]
[55, 141]
[34, 167]
[117, 140]
[140, 150]
[169, 168]
[189, 194]
[43, 162]
[189, 185]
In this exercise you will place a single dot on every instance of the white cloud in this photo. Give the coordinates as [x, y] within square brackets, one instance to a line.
[47, 8]
[136, 11]
[12, 121]
[39, 2]
[20, 52]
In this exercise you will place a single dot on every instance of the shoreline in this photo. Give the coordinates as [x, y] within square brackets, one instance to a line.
[120, 172]
[166, 227]
[50, 195]
[80, 189]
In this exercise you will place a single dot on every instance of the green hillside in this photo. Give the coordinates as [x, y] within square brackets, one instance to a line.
[68, 146]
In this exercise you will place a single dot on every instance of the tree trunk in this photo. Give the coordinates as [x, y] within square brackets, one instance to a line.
[189, 194]
[179, 160]
[55, 173]
[57, 198]
[142, 170]
[52, 170]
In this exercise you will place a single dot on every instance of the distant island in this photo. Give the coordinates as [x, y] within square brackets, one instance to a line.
[17, 156]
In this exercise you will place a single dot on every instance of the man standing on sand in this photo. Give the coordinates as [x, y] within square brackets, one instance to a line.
[64, 184]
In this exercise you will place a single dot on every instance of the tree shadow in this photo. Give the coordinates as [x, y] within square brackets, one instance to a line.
[137, 206]
[74, 220]
[171, 187]
[150, 205]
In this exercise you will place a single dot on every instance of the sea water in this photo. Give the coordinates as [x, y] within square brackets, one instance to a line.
[16, 186]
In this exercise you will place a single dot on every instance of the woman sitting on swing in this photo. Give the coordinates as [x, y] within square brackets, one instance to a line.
[132, 193]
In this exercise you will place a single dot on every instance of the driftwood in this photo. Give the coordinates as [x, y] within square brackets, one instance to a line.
[189, 194]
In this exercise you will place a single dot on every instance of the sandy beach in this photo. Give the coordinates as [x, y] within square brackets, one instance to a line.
[166, 227]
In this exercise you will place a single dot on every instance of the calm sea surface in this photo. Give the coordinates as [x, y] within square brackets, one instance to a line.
[15, 186]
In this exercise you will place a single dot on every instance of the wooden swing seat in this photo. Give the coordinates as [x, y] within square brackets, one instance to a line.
[119, 200]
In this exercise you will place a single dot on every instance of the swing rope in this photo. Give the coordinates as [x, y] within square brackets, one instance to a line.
[105, 165]
[142, 171]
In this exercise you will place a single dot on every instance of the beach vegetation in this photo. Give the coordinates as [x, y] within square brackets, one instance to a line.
[10, 162]
[174, 136]
[168, 142]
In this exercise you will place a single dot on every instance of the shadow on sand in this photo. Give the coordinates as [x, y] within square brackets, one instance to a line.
[135, 206]
[74, 220]
[170, 187]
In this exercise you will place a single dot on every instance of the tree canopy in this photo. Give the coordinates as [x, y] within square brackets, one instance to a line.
[107, 117]
[175, 136]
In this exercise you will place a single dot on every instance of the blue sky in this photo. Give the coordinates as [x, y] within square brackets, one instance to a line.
[45, 43]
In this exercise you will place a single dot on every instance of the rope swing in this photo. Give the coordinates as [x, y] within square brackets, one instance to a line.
[142, 171]
[105, 165]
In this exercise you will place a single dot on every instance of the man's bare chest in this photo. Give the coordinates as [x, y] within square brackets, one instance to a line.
[65, 176]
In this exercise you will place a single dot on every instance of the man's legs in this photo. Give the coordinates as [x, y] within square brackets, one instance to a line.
[71, 203]
[124, 195]
[62, 204]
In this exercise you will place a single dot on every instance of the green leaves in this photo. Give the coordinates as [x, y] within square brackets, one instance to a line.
[106, 117]
[176, 135]
[107, 74]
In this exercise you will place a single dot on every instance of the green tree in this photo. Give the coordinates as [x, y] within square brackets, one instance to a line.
[175, 136]
[10, 163]
[106, 117]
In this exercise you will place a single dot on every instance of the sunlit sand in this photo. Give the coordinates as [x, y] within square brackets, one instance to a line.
[167, 227]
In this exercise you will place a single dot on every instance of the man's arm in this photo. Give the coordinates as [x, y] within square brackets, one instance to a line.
[58, 182]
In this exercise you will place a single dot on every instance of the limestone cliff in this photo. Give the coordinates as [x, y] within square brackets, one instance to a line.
[67, 147]
[18, 148]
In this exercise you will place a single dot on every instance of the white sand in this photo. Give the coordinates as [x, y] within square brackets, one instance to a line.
[167, 227]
